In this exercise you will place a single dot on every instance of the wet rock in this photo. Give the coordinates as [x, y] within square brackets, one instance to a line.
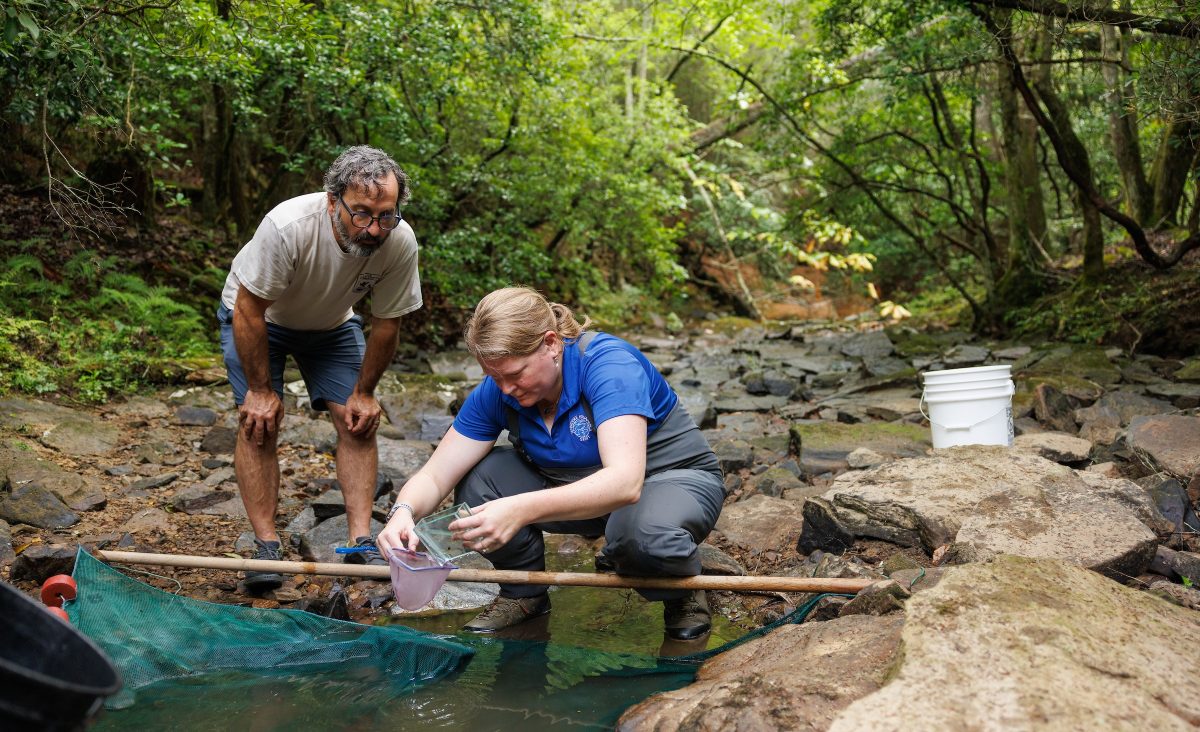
[1052, 408]
[1126, 405]
[188, 416]
[318, 434]
[219, 476]
[965, 356]
[302, 523]
[879, 598]
[42, 561]
[796, 677]
[774, 482]
[219, 441]
[734, 455]
[761, 523]
[1183, 396]
[196, 498]
[1011, 354]
[1171, 443]
[715, 561]
[990, 500]
[416, 398]
[1013, 637]
[459, 365]
[154, 481]
[1057, 446]
[401, 459]
[321, 542]
[873, 344]
[35, 505]
[327, 505]
[1172, 501]
[148, 521]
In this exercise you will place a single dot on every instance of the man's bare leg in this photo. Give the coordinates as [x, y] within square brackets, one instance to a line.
[357, 468]
[257, 469]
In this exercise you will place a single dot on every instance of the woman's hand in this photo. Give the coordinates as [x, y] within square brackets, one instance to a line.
[398, 534]
[491, 525]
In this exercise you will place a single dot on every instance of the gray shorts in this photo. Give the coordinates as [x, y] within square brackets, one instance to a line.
[329, 360]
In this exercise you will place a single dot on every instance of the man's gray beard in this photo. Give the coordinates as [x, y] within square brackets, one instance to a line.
[349, 244]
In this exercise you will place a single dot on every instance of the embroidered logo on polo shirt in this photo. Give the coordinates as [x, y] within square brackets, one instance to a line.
[366, 281]
[581, 427]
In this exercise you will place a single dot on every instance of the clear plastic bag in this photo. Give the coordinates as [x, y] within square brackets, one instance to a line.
[416, 577]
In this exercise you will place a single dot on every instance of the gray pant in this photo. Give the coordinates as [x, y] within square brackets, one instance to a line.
[657, 536]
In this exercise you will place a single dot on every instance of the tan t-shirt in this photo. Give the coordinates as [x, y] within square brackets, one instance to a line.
[294, 261]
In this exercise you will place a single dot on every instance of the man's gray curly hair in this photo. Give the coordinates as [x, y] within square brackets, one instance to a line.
[365, 166]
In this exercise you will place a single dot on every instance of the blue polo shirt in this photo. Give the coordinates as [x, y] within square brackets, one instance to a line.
[617, 380]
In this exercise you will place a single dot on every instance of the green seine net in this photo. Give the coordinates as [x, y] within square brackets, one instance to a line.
[153, 636]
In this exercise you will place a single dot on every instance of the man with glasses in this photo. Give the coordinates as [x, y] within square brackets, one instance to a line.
[291, 290]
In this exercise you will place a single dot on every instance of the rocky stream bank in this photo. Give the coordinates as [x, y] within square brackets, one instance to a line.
[1044, 586]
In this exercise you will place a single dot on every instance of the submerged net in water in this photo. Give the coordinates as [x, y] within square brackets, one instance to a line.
[199, 665]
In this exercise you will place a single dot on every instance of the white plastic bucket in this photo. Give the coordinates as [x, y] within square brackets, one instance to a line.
[931, 389]
[970, 416]
[975, 373]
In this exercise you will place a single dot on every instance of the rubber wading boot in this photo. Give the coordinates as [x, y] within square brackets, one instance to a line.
[257, 582]
[505, 612]
[687, 618]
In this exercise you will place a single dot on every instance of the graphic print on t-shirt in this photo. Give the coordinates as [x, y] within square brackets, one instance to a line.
[366, 281]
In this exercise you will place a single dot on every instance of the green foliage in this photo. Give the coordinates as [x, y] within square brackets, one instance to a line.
[91, 330]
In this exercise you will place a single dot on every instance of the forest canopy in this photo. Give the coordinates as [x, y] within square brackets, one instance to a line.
[989, 150]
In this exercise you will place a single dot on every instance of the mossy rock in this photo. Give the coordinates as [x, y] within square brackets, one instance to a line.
[1086, 362]
[922, 343]
[732, 325]
[824, 446]
[1079, 389]
[1190, 371]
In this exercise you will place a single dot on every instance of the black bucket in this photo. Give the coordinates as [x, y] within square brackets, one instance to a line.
[52, 677]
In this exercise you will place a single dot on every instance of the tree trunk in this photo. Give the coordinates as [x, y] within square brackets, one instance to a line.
[1022, 278]
[1171, 165]
[1093, 246]
[1122, 122]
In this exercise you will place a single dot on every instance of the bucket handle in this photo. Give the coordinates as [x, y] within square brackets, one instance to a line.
[948, 428]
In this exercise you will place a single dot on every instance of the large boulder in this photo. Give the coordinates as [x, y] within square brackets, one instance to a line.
[798, 677]
[1037, 644]
[990, 500]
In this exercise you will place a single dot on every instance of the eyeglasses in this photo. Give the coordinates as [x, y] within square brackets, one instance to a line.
[363, 220]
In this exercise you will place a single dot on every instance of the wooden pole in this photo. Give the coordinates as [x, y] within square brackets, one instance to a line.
[574, 579]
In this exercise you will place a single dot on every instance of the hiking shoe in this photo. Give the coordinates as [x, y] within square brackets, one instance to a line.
[257, 582]
[505, 612]
[604, 564]
[688, 617]
[367, 553]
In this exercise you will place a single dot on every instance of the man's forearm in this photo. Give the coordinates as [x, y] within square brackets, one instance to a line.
[381, 347]
[250, 339]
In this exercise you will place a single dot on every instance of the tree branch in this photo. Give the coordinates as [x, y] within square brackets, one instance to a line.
[1084, 13]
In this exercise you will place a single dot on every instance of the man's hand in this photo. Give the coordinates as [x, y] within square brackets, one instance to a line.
[260, 415]
[362, 414]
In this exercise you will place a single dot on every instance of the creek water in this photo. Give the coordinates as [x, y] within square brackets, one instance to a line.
[598, 652]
